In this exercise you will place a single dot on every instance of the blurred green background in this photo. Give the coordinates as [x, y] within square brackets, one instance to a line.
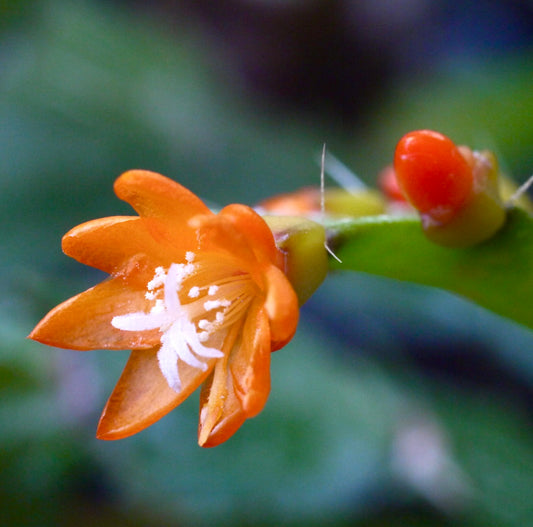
[394, 405]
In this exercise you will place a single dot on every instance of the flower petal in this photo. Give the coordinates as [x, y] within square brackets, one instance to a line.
[84, 321]
[165, 204]
[221, 412]
[249, 362]
[219, 234]
[255, 229]
[109, 244]
[281, 304]
[142, 395]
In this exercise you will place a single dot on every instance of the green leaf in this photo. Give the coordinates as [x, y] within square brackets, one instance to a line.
[497, 274]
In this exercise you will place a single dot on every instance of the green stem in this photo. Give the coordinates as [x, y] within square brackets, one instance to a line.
[496, 274]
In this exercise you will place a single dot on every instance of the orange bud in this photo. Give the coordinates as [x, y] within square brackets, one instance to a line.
[454, 189]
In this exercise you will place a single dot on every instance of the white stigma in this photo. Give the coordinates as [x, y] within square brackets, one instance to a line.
[180, 337]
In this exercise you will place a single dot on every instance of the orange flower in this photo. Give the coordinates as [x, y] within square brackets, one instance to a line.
[200, 298]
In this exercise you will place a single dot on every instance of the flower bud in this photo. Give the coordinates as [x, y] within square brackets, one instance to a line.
[454, 189]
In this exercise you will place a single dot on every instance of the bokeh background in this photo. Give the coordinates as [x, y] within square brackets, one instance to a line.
[395, 405]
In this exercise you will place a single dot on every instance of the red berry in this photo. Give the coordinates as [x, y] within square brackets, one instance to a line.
[434, 176]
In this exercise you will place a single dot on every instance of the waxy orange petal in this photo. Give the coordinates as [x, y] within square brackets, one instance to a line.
[281, 304]
[164, 203]
[221, 412]
[84, 321]
[240, 384]
[218, 234]
[249, 362]
[254, 228]
[142, 396]
[109, 244]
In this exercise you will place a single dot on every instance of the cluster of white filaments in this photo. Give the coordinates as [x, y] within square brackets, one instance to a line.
[186, 328]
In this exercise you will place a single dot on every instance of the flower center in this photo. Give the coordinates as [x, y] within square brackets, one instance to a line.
[194, 304]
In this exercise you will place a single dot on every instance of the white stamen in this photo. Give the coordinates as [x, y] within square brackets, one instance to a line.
[187, 269]
[204, 324]
[194, 292]
[209, 305]
[158, 280]
[159, 306]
